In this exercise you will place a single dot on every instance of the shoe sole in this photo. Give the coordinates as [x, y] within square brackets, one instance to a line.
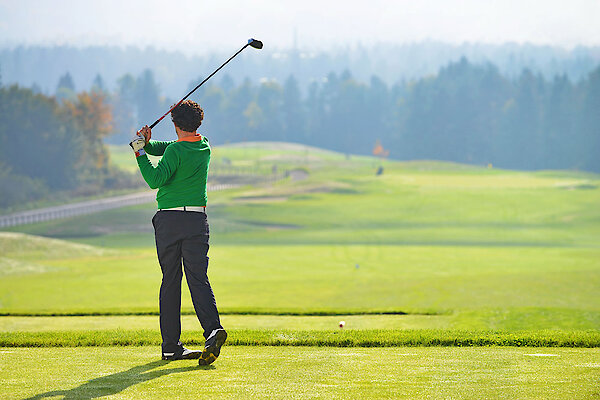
[194, 355]
[210, 353]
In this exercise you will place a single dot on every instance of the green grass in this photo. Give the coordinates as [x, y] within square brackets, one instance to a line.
[491, 288]
[330, 338]
[26, 247]
[473, 256]
[302, 373]
[122, 158]
[495, 249]
[410, 204]
[253, 322]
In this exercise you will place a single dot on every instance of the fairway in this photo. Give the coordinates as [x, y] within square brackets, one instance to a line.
[487, 288]
[304, 373]
[430, 255]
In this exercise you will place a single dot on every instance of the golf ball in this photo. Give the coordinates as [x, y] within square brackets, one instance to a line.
[342, 324]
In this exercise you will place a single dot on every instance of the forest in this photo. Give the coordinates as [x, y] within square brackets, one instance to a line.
[466, 113]
[50, 146]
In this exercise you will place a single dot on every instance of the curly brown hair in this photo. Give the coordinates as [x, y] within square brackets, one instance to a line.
[187, 116]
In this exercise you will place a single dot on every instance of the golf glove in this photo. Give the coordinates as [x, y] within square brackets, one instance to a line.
[137, 144]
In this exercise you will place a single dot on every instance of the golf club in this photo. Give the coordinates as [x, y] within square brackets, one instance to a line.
[257, 44]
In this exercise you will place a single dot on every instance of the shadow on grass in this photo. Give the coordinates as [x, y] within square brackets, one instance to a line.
[112, 384]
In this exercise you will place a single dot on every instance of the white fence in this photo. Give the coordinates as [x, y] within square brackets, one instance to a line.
[86, 207]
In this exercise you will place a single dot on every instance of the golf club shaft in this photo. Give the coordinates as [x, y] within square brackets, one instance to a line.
[201, 83]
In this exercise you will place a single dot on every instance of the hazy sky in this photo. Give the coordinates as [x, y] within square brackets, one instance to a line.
[194, 26]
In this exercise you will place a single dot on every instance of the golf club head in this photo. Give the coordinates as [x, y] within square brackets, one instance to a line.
[257, 44]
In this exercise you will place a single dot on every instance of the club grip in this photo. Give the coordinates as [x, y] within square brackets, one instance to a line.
[156, 122]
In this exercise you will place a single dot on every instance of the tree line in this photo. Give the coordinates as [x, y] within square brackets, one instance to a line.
[466, 113]
[50, 146]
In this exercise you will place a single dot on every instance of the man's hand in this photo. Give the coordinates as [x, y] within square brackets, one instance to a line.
[137, 144]
[146, 132]
[140, 140]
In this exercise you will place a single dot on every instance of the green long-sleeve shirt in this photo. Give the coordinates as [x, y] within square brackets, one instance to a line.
[181, 174]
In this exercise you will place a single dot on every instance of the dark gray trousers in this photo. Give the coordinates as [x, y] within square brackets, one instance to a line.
[183, 235]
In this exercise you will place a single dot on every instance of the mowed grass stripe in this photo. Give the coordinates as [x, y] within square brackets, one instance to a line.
[300, 278]
[141, 312]
[233, 322]
[342, 338]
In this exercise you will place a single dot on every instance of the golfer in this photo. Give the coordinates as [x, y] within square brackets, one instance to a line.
[181, 229]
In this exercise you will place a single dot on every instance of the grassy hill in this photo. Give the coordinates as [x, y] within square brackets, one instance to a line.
[494, 249]
[342, 201]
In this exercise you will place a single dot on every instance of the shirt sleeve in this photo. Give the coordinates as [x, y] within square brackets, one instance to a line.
[157, 147]
[157, 176]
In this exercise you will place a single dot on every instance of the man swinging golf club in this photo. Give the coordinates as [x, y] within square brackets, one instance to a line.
[181, 229]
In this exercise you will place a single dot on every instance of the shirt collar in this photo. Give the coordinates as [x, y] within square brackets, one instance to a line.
[196, 138]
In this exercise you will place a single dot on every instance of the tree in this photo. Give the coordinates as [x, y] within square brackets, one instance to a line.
[23, 189]
[347, 112]
[98, 84]
[343, 123]
[126, 88]
[35, 140]
[233, 108]
[212, 103]
[254, 116]
[561, 139]
[66, 82]
[378, 108]
[124, 112]
[48, 146]
[294, 116]
[590, 122]
[92, 118]
[379, 151]
[522, 128]
[65, 89]
[147, 99]
[35, 88]
[269, 99]
[315, 113]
